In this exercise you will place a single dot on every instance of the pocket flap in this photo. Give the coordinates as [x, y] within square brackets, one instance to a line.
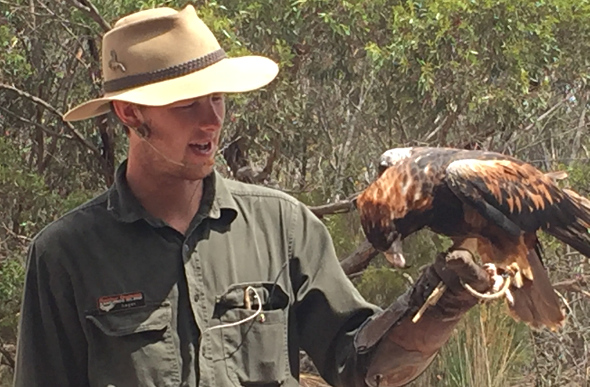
[148, 318]
[271, 295]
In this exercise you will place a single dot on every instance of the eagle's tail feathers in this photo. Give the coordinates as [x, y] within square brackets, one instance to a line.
[535, 302]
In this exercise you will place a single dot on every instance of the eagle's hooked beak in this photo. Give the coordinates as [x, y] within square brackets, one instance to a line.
[395, 254]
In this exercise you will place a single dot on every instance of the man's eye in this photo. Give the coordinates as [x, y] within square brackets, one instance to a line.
[217, 98]
[187, 106]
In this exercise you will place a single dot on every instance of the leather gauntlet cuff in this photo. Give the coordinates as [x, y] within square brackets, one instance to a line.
[398, 350]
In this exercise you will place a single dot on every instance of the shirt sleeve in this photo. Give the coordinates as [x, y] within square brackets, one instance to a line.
[329, 309]
[51, 348]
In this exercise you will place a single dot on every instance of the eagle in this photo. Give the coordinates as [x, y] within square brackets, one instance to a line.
[488, 203]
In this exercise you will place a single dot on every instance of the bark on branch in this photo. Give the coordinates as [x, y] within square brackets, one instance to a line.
[359, 259]
[340, 207]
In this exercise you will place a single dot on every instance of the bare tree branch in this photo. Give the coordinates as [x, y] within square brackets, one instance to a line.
[89, 8]
[576, 285]
[359, 259]
[267, 170]
[436, 130]
[77, 135]
[579, 132]
[341, 207]
[547, 113]
[38, 125]
[343, 158]
[64, 23]
[7, 357]
[21, 238]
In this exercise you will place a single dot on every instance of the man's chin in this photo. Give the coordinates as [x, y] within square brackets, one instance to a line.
[196, 172]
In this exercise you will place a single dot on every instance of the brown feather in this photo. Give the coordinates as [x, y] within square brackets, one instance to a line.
[535, 302]
[395, 193]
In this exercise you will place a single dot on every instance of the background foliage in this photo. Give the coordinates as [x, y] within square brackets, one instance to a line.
[357, 77]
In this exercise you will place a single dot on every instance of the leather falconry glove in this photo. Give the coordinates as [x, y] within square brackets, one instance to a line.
[398, 349]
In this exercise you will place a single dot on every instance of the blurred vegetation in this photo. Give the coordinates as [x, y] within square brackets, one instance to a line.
[357, 77]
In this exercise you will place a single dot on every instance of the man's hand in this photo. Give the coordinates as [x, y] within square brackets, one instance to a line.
[401, 349]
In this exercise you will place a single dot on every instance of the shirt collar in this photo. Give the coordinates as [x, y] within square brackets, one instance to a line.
[122, 203]
[217, 200]
[223, 207]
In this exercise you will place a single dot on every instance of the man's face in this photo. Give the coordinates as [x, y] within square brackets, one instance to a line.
[182, 138]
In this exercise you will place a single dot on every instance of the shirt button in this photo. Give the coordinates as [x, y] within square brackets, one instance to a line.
[185, 249]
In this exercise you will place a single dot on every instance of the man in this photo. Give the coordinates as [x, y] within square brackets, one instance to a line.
[178, 277]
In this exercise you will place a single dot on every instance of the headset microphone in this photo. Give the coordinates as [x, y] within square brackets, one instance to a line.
[143, 132]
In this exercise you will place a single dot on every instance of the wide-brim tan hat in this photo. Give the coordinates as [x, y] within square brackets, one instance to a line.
[159, 56]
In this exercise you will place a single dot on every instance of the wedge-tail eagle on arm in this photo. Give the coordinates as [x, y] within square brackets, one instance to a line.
[488, 203]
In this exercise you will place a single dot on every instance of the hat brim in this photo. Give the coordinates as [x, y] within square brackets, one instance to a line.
[229, 75]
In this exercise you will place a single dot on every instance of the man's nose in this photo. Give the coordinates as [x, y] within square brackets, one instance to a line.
[210, 115]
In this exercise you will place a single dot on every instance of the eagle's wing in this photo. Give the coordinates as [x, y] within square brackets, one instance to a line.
[516, 196]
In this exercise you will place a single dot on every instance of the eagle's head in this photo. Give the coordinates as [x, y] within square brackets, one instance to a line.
[392, 157]
[385, 238]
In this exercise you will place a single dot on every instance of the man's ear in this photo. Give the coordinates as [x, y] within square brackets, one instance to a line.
[128, 113]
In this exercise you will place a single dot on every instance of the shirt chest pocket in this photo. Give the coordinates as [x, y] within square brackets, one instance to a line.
[252, 334]
[132, 348]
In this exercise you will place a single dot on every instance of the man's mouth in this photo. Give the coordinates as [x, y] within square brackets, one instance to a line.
[202, 148]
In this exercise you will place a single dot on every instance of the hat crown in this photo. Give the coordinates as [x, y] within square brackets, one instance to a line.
[153, 40]
[159, 56]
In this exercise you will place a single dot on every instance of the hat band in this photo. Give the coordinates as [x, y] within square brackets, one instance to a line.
[163, 74]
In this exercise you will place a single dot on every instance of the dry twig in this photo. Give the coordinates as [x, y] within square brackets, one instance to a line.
[7, 357]
[89, 8]
[77, 135]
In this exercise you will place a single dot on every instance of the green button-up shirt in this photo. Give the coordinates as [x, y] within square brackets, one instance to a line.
[115, 297]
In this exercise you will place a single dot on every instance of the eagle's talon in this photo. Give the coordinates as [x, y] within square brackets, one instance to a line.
[493, 295]
[501, 284]
[498, 283]
[490, 268]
